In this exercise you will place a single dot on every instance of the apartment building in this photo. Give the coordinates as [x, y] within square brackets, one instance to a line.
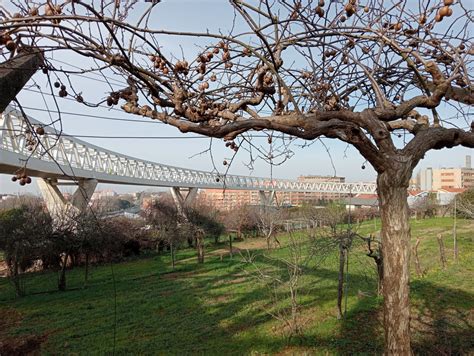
[229, 199]
[446, 178]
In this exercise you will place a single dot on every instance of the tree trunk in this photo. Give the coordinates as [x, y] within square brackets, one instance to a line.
[379, 262]
[86, 272]
[200, 246]
[442, 253]
[340, 281]
[392, 192]
[15, 278]
[173, 263]
[62, 275]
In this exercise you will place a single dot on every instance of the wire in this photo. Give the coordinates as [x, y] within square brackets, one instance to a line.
[71, 99]
[139, 137]
[120, 137]
[100, 117]
[91, 72]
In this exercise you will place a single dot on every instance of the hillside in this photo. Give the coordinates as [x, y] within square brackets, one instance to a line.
[222, 308]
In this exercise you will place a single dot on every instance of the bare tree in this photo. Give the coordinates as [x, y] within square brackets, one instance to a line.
[268, 222]
[426, 206]
[331, 236]
[241, 219]
[372, 74]
[286, 276]
[163, 217]
[465, 204]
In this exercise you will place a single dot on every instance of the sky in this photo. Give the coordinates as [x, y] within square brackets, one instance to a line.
[328, 157]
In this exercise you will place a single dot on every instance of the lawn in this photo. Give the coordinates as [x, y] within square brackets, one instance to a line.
[143, 306]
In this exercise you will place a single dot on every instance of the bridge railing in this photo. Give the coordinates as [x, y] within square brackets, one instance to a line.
[67, 157]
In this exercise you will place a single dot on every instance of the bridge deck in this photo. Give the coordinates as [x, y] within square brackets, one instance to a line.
[66, 157]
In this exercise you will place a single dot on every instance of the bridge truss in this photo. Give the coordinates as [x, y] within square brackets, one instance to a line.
[60, 156]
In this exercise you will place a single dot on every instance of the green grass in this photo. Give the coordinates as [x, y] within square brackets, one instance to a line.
[220, 308]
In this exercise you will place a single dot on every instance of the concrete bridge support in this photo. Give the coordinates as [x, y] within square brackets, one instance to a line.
[15, 73]
[183, 201]
[57, 205]
[266, 198]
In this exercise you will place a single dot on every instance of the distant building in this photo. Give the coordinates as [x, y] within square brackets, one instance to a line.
[314, 197]
[101, 194]
[229, 199]
[446, 196]
[442, 196]
[321, 179]
[446, 178]
[131, 213]
[362, 201]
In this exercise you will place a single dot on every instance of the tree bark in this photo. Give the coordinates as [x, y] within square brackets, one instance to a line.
[15, 278]
[62, 275]
[340, 284]
[86, 272]
[392, 191]
[172, 255]
[200, 246]
[442, 253]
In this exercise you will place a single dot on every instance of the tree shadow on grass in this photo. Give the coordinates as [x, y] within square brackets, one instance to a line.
[442, 319]
[212, 309]
[442, 323]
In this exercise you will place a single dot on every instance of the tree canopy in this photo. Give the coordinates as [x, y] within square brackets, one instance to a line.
[393, 79]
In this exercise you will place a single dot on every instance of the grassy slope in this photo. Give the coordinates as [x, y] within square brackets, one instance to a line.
[218, 308]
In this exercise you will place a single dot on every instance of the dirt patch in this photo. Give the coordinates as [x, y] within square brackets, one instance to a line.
[24, 345]
[237, 280]
[295, 350]
[176, 275]
[17, 345]
[230, 281]
[9, 318]
[221, 299]
[252, 244]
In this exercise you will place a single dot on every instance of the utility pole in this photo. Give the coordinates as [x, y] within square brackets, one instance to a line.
[15, 73]
[455, 240]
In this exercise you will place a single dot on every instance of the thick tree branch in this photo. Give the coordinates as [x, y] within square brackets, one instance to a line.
[429, 138]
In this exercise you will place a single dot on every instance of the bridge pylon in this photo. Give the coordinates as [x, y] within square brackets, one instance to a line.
[183, 201]
[266, 198]
[57, 204]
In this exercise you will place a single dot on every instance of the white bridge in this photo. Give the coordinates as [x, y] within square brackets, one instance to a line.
[56, 156]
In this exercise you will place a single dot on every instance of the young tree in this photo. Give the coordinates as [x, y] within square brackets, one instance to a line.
[163, 217]
[426, 206]
[268, 221]
[242, 219]
[373, 74]
[24, 232]
[285, 275]
[333, 235]
[206, 218]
